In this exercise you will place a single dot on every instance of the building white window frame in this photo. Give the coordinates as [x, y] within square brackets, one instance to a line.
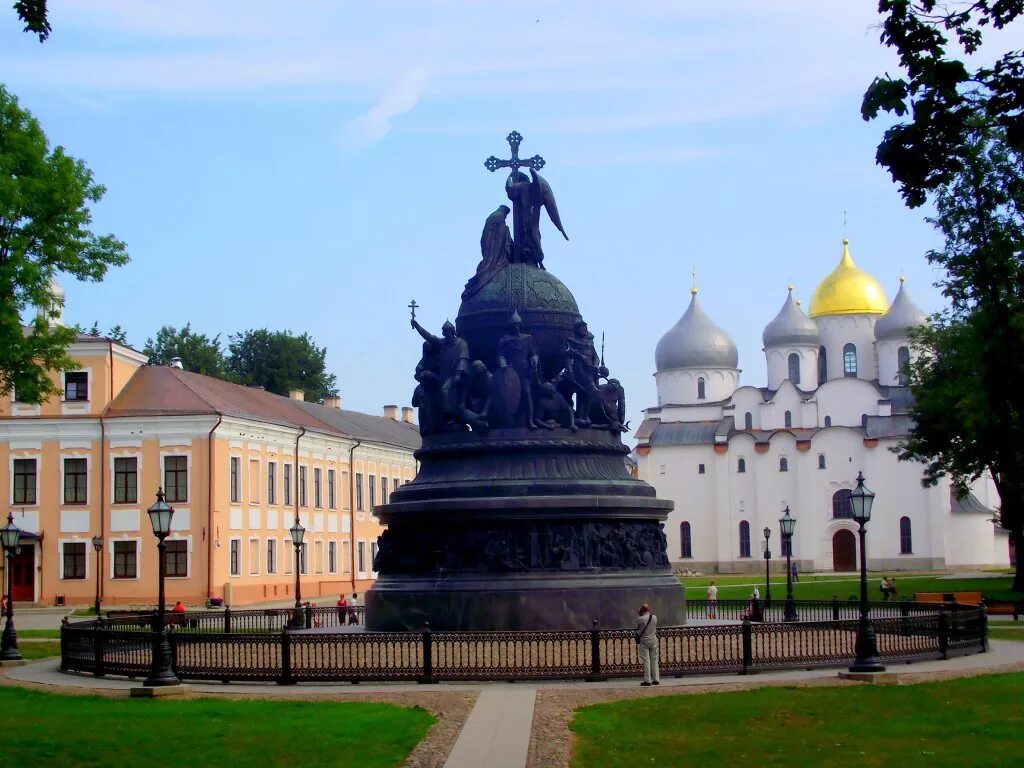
[255, 480]
[64, 458]
[188, 556]
[233, 571]
[332, 556]
[61, 543]
[254, 562]
[35, 490]
[138, 558]
[113, 478]
[271, 551]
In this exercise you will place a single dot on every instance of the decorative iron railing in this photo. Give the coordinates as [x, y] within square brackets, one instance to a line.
[278, 646]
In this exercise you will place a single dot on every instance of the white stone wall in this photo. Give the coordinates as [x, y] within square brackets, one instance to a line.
[680, 386]
[778, 365]
[839, 330]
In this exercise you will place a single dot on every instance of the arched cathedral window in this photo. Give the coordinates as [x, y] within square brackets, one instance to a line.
[906, 540]
[788, 419]
[849, 360]
[903, 362]
[748, 420]
[822, 366]
[741, 465]
[842, 509]
[700, 388]
[783, 464]
[685, 542]
[744, 538]
[794, 367]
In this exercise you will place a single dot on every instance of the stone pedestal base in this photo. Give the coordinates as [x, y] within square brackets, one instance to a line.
[13, 663]
[159, 691]
[871, 677]
[537, 601]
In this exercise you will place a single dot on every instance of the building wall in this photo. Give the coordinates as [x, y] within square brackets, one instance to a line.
[208, 518]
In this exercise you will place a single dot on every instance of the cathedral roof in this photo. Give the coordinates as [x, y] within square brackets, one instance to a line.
[903, 314]
[848, 290]
[790, 326]
[695, 342]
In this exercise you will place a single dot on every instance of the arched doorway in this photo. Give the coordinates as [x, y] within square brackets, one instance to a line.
[844, 551]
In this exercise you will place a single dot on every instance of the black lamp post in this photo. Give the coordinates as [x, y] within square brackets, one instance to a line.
[297, 532]
[787, 524]
[767, 558]
[160, 672]
[866, 646]
[97, 544]
[9, 535]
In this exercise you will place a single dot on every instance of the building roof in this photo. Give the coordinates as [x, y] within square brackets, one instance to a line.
[903, 314]
[967, 504]
[161, 391]
[790, 326]
[847, 290]
[695, 341]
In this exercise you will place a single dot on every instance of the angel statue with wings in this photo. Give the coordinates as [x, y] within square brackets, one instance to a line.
[528, 196]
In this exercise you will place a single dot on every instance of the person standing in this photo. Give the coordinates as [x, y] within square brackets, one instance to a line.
[342, 605]
[794, 572]
[647, 644]
[712, 601]
[353, 614]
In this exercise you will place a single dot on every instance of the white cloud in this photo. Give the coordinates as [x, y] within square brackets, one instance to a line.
[400, 98]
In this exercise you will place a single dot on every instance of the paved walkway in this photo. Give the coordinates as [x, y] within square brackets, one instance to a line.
[497, 731]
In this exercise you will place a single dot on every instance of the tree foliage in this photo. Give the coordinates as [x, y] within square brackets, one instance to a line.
[198, 352]
[962, 148]
[45, 198]
[279, 362]
[942, 98]
[35, 15]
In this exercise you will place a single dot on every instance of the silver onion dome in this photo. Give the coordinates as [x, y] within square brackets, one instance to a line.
[695, 342]
[903, 314]
[790, 326]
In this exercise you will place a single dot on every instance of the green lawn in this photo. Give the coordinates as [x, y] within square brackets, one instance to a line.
[824, 586]
[39, 650]
[1000, 633]
[973, 722]
[47, 633]
[80, 731]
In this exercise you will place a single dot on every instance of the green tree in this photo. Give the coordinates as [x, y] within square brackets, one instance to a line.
[279, 362]
[198, 352]
[960, 148]
[34, 14]
[45, 198]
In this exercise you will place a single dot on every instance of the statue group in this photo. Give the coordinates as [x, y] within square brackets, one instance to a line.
[456, 393]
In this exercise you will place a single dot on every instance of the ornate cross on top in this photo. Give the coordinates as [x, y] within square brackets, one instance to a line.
[412, 305]
[514, 139]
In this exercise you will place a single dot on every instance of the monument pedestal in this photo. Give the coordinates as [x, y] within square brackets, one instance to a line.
[537, 601]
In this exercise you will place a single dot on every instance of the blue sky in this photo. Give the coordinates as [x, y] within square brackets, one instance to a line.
[314, 166]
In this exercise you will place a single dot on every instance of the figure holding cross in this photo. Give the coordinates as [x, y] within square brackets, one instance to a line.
[528, 195]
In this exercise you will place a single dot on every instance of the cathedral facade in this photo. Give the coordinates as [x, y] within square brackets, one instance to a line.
[734, 457]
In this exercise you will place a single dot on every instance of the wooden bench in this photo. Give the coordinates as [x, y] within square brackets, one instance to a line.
[960, 598]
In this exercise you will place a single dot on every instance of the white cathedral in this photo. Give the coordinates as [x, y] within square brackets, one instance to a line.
[733, 457]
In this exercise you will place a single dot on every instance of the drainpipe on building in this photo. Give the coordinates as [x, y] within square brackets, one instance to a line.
[103, 503]
[209, 508]
[298, 558]
[352, 511]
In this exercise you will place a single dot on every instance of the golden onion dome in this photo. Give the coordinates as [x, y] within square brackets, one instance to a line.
[847, 290]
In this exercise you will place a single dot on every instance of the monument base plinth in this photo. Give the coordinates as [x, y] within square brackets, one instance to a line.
[535, 601]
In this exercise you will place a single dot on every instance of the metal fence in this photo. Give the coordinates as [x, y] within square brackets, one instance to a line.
[807, 610]
[265, 646]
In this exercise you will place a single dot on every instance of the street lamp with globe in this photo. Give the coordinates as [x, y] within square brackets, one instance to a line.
[9, 536]
[160, 672]
[861, 500]
[787, 525]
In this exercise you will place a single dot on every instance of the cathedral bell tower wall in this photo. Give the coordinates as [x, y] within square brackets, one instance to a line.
[694, 386]
[779, 369]
[837, 331]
